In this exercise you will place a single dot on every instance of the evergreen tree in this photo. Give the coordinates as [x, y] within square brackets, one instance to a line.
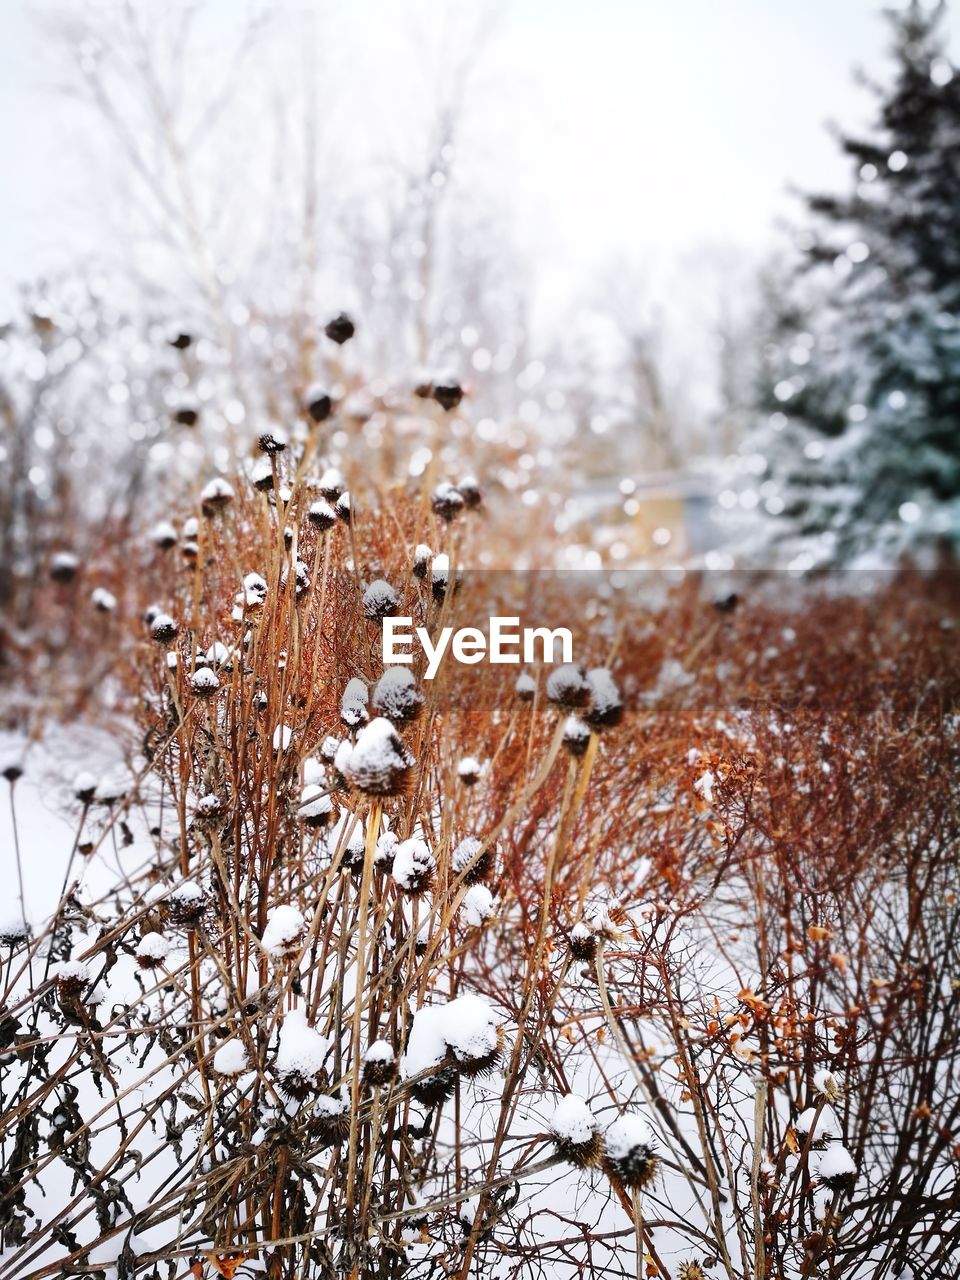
[861, 372]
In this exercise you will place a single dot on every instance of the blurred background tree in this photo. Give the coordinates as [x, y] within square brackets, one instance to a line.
[860, 383]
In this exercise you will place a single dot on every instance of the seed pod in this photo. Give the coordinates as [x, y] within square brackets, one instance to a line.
[318, 403]
[422, 556]
[576, 1132]
[180, 341]
[272, 441]
[583, 942]
[447, 502]
[331, 484]
[322, 516]
[64, 566]
[397, 697]
[204, 682]
[472, 861]
[606, 705]
[469, 490]
[380, 601]
[340, 329]
[262, 476]
[163, 629]
[379, 1064]
[186, 416]
[216, 496]
[469, 770]
[567, 687]
[379, 763]
[447, 394]
[526, 687]
[576, 736]
[163, 535]
[344, 508]
[629, 1154]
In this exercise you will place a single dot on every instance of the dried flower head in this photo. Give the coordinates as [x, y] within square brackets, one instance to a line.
[321, 515]
[215, 496]
[567, 686]
[272, 441]
[340, 329]
[472, 861]
[422, 556]
[447, 501]
[380, 601]
[576, 736]
[629, 1152]
[606, 704]
[447, 394]
[318, 404]
[576, 1132]
[64, 566]
[396, 695]
[204, 682]
[378, 763]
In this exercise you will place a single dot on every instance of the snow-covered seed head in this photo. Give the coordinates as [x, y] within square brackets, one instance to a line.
[215, 496]
[353, 704]
[447, 501]
[835, 1168]
[606, 704]
[440, 576]
[437, 1087]
[332, 483]
[231, 1060]
[378, 763]
[469, 490]
[629, 1152]
[472, 861]
[152, 951]
[190, 550]
[413, 866]
[262, 476]
[12, 772]
[576, 736]
[473, 1035]
[396, 695]
[72, 978]
[340, 329]
[163, 629]
[321, 515]
[567, 686]
[14, 930]
[386, 849]
[185, 904]
[64, 566]
[526, 687]
[344, 508]
[583, 942]
[187, 415]
[103, 601]
[272, 441]
[284, 931]
[329, 747]
[301, 1053]
[329, 1121]
[576, 1132]
[379, 1064]
[210, 808]
[447, 394]
[469, 770]
[316, 807]
[318, 404]
[422, 557]
[85, 787]
[163, 535]
[204, 682]
[380, 601]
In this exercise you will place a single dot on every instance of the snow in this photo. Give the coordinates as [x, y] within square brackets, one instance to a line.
[477, 905]
[835, 1163]
[829, 1084]
[465, 853]
[412, 864]
[465, 1026]
[314, 803]
[332, 483]
[376, 760]
[284, 929]
[396, 694]
[470, 768]
[301, 1050]
[254, 590]
[627, 1134]
[380, 599]
[204, 681]
[704, 786]
[526, 686]
[230, 1059]
[322, 514]
[573, 1121]
[282, 737]
[567, 685]
[153, 948]
[163, 534]
[604, 694]
[72, 971]
[103, 600]
[380, 1051]
[216, 491]
[218, 655]
[826, 1125]
[353, 704]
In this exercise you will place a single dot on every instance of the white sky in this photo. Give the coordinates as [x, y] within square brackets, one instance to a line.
[641, 128]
